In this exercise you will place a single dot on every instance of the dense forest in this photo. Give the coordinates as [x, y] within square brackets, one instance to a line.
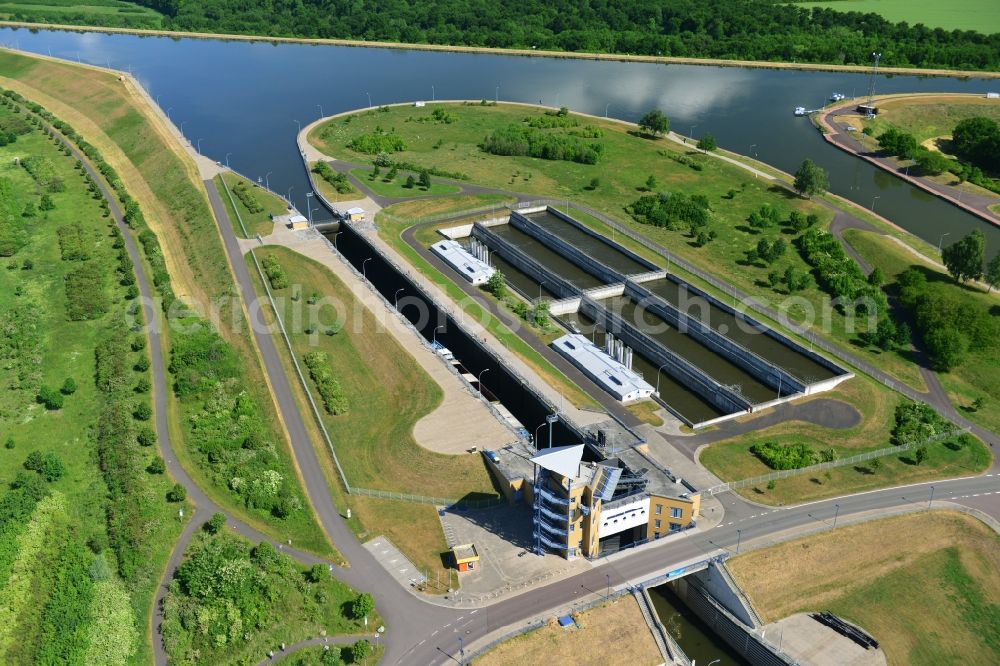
[730, 29]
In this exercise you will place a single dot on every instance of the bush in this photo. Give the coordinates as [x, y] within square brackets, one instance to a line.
[671, 210]
[51, 398]
[142, 411]
[338, 180]
[784, 456]
[916, 422]
[518, 140]
[68, 387]
[377, 142]
[215, 524]
[362, 606]
[86, 293]
[157, 466]
[274, 272]
[332, 395]
[246, 195]
[48, 465]
[146, 436]
[177, 493]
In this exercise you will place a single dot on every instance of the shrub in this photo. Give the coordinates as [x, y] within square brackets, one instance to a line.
[362, 606]
[518, 140]
[51, 398]
[177, 493]
[274, 272]
[146, 436]
[215, 524]
[379, 141]
[246, 195]
[68, 387]
[142, 411]
[48, 465]
[333, 397]
[157, 466]
[670, 210]
[784, 456]
[916, 422]
[86, 293]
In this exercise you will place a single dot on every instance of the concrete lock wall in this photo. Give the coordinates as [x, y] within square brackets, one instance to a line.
[610, 243]
[764, 329]
[676, 366]
[738, 636]
[524, 263]
[720, 344]
[571, 252]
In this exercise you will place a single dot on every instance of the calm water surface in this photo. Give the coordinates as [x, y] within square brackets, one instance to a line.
[244, 98]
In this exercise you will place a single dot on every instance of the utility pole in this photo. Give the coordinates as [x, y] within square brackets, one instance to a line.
[871, 83]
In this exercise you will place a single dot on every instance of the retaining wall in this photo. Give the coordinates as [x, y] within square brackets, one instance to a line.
[583, 260]
[525, 263]
[610, 243]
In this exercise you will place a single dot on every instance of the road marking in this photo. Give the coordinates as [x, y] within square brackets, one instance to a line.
[434, 634]
[474, 612]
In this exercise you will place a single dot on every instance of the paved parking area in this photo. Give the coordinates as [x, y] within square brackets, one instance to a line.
[395, 563]
[814, 644]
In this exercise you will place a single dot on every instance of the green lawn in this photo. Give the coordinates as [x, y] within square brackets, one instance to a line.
[258, 222]
[979, 15]
[932, 116]
[42, 347]
[622, 172]
[979, 375]
[397, 189]
[232, 601]
[926, 585]
[731, 459]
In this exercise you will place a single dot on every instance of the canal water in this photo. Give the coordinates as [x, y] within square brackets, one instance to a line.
[681, 399]
[594, 247]
[243, 100]
[695, 637]
[715, 366]
[723, 321]
[547, 257]
[527, 285]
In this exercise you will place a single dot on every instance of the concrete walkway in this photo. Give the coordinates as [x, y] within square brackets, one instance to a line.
[461, 421]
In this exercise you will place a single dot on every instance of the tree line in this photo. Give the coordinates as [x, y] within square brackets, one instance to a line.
[750, 29]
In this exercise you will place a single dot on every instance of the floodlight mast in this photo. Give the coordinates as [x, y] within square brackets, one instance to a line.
[871, 84]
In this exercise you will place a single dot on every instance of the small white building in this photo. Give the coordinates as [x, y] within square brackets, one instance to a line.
[472, 268]
[614, 377]
[356, 214]
[298, 222]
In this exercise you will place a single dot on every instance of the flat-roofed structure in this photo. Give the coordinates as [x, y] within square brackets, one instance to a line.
[470, 267]
[610, 374]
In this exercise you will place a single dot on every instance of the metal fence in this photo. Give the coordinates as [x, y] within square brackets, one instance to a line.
[436, 501]
[850, 460]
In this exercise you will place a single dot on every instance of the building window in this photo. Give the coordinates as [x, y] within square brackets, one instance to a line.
[656, 536]
[656, 524]
[675, 513]
[675, 527]
[659, 509]
[572, 527]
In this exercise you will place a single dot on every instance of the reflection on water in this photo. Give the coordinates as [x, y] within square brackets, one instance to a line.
[697, 640]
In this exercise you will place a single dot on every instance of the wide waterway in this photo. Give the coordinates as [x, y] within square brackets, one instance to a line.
[242, 99]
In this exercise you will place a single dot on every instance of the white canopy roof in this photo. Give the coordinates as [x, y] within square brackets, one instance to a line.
[563, 460]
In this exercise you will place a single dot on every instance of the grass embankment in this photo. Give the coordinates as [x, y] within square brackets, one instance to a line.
[230, 602]
[613, 632]
[731, 460]
[117, 120]
[385, 394]
[926, 585]
[421, 209]
[979, 375]
[70, 573]
[314, 656]
[246, 194]
[96, 12]
[622, 174]
[397, 189]
[390, 230]
[979, 15]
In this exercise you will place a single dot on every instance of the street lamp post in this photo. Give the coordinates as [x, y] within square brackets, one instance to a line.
[658, 377]
[335, 240]
[752, 146]
[289, 197]
[540, 289]
[267, 183]
[931, 500]
[691, 134]
[835, 516]
[497, 97]
[433, 94]
[169, 109]
[227, 159]
[364, 275]
[941, 240]
[298, 124]
[182, 125]
[479, 380]
[874, 199]
[550, 419]
[461, 651]
[369, 99]
[535, 440]
[395, 298]
[739, 538]
[434, 335]
[606, 106]
[199, 146]
[608, 595]
[321, 114]
[309, 196]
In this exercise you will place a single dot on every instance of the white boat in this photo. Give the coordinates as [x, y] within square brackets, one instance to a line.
[836, 97]
[800, 110]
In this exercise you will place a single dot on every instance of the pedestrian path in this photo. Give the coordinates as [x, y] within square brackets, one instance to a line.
[394, 562]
